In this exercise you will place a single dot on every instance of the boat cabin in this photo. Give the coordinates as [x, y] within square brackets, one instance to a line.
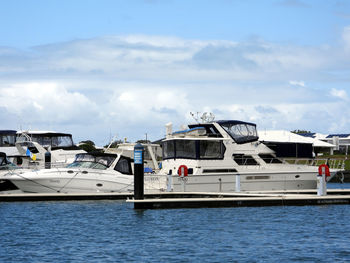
[206, 141]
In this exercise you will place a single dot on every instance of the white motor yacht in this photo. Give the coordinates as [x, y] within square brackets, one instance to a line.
[89, 173]
[219, 153]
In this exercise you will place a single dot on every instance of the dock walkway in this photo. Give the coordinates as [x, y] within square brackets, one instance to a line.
[196, 199]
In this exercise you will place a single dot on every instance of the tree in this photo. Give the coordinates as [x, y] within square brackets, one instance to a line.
[143, 141]
[88, 146]
[300, 131]
[115, 144]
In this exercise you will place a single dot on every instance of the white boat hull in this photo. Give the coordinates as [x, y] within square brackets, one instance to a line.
[248, 182]
[54, 181]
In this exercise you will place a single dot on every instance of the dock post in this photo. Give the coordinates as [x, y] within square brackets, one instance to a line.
[138, 172]
[321, 182]
[169, 183]
[238, 182]
[47, 160]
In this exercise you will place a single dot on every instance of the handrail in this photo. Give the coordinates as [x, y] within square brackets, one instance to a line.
[333, 163]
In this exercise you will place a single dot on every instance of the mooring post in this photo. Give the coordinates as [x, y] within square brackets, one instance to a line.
[138, 172]
[321, 182]
[169, 182]
[47, 160]
[238, 182]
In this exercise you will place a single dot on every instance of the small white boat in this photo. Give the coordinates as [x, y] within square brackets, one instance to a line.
[89, 173]
[40, 148]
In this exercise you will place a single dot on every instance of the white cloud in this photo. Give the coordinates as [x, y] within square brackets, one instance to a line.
[297, 83]
[339, 94]
[133, 84]
[45, 101]
[346, 38]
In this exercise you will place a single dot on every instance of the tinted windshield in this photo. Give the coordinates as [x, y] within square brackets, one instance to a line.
[241, 132]
[91, 161]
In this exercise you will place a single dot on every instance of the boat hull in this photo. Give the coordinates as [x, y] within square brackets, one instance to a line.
[248, 182]
[58, 181]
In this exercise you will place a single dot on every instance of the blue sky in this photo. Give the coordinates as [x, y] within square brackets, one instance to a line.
[100, 68]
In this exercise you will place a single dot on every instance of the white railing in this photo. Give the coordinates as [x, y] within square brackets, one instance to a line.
[333, 163]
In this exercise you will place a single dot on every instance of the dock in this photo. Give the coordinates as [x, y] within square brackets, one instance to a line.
[211, 200]
[168, 200]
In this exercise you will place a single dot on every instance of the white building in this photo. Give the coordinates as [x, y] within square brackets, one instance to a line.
[288, 144]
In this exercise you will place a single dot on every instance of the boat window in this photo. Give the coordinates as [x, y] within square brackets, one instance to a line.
[92, 161]
[3, 160]
[123, 166]
[88, 165]
[269, 158]
[168, 149]
[241, 132]
[53, 141]
[185, 149]
[211, 149]
[7, 140]
[242, 159]
[102, 159]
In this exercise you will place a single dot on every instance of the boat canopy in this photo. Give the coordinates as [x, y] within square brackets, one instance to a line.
[240, 131]
[50, 139]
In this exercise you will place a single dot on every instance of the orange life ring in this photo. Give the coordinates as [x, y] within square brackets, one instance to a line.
[183, 170]
[326, 170]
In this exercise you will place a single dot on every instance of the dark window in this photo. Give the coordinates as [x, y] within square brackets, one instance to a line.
[242, 159]
[241, 132]
[261, 177]
[211, 150]
[7, 140]
[269, 158]
[219, 171]
[185, 149]
[193, 149]
[123, 166]
[168, 149]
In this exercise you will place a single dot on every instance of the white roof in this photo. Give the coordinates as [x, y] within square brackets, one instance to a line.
[35, 132]
[287, 136]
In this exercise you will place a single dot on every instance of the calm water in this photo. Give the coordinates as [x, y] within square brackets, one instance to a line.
[111, 231]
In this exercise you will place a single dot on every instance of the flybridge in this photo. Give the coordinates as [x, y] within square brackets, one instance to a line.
[240, 131]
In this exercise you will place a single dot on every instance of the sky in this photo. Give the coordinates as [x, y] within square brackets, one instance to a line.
[100, 68]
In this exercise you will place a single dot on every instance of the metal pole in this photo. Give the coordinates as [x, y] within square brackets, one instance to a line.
[322, 185]
[47, 160]
[238, 182]
[138, 172]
